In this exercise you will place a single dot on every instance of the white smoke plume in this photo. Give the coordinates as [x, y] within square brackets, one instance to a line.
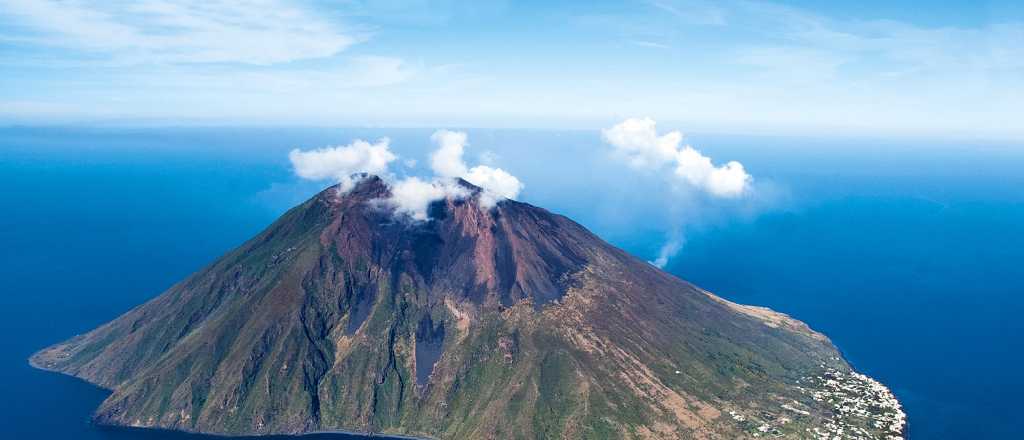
[637, 140]
[668, 250]
[446, 161]
[341, 163]
[410, 196]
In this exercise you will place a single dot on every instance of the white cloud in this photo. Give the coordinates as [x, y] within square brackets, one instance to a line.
[652, 44]
[362, 72]
[340, 163]
[446, 161]
[496, 183]
[412, 196]
[180, 31]
[637, 141]
[693, 11]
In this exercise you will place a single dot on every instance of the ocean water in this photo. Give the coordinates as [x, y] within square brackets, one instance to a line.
[905, 252]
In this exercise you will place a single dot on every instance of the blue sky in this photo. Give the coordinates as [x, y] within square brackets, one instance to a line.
[860, 68]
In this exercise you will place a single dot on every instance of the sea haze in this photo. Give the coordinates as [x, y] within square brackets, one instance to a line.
[905, 252]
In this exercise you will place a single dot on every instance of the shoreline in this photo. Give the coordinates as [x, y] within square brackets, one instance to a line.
[200, 434]
[880, 391]
[211, 436]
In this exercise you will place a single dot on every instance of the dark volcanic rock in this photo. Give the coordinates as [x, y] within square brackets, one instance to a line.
[508, 322]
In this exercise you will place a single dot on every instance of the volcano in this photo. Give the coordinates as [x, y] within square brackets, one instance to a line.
[503, 321]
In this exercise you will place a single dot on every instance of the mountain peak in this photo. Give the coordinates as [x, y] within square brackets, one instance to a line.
[372, 191]
[493, 256]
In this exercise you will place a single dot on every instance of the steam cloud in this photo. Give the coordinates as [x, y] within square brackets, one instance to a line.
[410, 196]
[637, 141]
[341, 163]
[447, 161]
[668, 250]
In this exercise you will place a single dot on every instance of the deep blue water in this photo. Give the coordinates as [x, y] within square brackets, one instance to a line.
[905, 252]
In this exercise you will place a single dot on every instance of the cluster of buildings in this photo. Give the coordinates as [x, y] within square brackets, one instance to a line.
[857, 408]
[862, 408]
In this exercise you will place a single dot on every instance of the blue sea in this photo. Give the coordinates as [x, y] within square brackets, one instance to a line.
[907, 253]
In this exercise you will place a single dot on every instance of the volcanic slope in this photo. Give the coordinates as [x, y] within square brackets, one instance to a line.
[503, 321]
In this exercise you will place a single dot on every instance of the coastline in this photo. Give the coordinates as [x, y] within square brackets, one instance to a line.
[904, 431]
[851, 393]
[209, 436]
[32, 362]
